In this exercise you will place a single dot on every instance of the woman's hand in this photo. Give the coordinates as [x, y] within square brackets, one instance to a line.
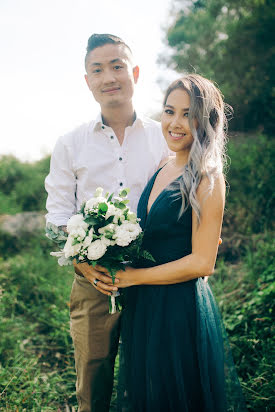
[124, 278]
[127, 278]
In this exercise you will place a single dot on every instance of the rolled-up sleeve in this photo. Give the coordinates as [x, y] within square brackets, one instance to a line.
[61, 186]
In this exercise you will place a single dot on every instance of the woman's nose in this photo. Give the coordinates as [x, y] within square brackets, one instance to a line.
[176, 121]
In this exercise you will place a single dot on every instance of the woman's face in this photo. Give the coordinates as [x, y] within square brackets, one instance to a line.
[175, 123]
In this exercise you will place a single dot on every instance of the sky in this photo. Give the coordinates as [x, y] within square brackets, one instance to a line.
[43, 94]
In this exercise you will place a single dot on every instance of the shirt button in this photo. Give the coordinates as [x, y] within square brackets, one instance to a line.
[120, 184]
[112, 137]
[120, 158]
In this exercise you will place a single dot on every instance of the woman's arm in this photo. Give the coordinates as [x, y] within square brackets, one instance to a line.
[205, 240]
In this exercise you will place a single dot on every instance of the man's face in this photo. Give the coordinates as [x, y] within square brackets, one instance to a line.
[110, 75]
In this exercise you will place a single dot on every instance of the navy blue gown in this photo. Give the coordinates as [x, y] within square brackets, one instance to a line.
[174, 355]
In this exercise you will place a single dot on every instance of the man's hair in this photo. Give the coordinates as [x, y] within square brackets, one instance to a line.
[99, 40]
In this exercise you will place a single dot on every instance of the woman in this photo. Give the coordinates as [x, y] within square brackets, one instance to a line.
[173, 356]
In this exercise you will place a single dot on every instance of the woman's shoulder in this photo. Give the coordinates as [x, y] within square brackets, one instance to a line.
[211, 188]
[166, 160]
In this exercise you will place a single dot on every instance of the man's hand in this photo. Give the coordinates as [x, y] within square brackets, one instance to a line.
[104, 284]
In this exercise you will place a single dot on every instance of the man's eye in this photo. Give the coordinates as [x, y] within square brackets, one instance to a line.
[97, 71]
[117, 67]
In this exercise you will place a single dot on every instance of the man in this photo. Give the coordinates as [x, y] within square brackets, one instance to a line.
[118, 149]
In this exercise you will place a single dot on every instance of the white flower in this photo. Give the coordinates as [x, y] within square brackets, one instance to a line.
[62, 260]
[132, 217]
[76, 222]
[119, 216]
[126, 233]
[71, 250]
[107, 242]
[78, 234]
[96, 250]
[91, 204]
[112, 211]
[107, 230]
[87, 241]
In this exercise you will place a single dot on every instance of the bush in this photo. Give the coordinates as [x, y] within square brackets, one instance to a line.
[246, 295]
[22, 185]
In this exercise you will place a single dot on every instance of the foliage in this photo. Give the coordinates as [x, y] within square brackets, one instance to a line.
[22, 185]
[36, 353]
[36, 361]
[231, 43]
[251, 179]
[246, 295]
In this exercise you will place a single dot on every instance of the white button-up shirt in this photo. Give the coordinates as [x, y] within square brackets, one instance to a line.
[91, 156]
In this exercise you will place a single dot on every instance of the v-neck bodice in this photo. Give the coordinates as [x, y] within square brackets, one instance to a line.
[166, 236]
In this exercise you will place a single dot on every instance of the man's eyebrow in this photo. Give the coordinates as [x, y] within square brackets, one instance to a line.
[116, 60]
[111, 62]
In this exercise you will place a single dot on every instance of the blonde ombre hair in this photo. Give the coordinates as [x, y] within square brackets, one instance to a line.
[207, 154]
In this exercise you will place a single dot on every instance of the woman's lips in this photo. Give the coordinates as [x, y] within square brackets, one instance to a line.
[176, 136]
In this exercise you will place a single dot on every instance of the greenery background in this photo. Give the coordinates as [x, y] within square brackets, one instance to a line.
[230, 43]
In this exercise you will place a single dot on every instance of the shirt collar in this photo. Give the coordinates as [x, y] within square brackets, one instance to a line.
[99, 125]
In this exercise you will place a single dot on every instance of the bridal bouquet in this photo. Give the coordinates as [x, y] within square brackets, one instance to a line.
[103, 232]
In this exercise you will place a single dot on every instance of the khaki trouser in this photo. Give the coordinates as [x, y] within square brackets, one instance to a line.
[95, 334]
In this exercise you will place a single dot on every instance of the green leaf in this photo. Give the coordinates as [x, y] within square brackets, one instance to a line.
[91, 220]
[102, 207]
[110, 197]
[124, 192]
[120, 205]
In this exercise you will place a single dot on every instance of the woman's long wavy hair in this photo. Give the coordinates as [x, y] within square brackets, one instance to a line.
[207, 155]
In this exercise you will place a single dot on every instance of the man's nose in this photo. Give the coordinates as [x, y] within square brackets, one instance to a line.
[109, 76]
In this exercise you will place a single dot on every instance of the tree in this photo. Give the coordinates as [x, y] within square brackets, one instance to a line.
[230, 42]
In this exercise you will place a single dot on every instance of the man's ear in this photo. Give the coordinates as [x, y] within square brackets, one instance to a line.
[136, 73]
[86, 78]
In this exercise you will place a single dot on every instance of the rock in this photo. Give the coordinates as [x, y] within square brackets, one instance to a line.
[22, 223]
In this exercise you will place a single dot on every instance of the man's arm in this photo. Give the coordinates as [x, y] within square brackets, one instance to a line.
[61, 186]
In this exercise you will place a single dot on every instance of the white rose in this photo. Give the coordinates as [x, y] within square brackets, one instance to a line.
[71, 250]
[93, 203]
[96, 250]
[87, 241]
[126, 233]
[76, 222]
[78, 234]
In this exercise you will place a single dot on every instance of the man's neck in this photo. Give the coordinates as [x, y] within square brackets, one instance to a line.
[118, 119]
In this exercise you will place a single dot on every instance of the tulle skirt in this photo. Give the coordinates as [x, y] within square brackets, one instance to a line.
[175, 355]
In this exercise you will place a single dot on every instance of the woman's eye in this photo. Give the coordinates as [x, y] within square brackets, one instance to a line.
[168, 111]
[186, 114]
[117, 67]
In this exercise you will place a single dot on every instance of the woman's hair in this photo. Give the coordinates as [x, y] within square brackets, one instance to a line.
[207, 154]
